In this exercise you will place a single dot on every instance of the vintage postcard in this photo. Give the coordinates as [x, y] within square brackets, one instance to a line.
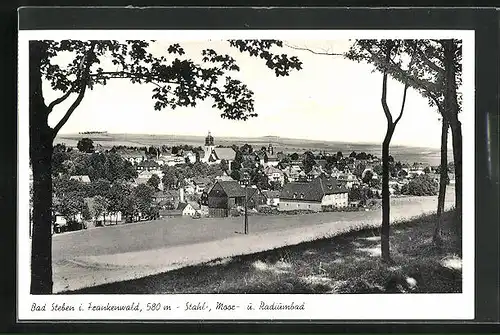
[246, 175]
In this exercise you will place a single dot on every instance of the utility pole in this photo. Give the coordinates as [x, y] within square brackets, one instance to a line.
[246, 180]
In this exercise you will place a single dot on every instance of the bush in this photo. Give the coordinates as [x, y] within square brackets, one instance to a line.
[234, 212]
[339, 209]
[420, 186]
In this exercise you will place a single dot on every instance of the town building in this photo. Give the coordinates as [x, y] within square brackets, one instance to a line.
[214, 155]
[223, 196]
[272, 197]
[346, 179]
[274, 175]
[145, 175]
[273, 158]
[134, 157]
[200, 183]
[148, 165]
[186, 209]
[83, 178]
[314, 196]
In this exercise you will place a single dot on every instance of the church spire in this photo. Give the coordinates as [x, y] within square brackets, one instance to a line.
[209, 140]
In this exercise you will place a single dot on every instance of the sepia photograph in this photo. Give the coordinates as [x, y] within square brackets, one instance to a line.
[280, 167]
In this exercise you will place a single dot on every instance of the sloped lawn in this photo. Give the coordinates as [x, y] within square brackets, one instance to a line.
[349, 263]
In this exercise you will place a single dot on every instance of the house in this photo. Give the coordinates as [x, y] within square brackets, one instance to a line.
[274, 175]
[273, 158]
[189, 188]
[166, 213]
[148, 165]
[313, 195]
[145, 175]
[168, 199]
[315, 172]
[134, 157]
[62, 223]
[186, 209]
[190, 156]
[108, 219]
[83, 178]
[348, 180]
[322, 163]
[293, 173]
[272, 197]
[254, 197]
[224, 177]
[200, 183]
[174, 160]
[223, 196]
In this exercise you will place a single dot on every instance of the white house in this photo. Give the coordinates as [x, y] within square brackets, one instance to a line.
[272, 197]
[83, 178]
[186, 209]
[314, 195]
[274, 175]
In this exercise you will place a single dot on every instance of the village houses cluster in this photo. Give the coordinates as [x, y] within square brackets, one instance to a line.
[263, 181]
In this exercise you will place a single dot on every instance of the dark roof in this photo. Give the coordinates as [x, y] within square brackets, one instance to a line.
[311, 191]
[251, 191]
[225, 153]
[194, 204]
[330, 185]
[181, 206]
[232, 188]
[201, 180]
[321, 162]
[149, 163]
[271, 194]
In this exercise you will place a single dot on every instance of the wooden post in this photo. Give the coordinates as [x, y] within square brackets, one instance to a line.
[246, 209]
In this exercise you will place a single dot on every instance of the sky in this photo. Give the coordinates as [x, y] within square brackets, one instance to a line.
[330, 99]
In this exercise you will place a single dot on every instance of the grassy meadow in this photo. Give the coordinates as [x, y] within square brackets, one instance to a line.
[348, 263]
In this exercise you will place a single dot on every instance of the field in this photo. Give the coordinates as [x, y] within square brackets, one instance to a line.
[348, 263]
[109, 254]
[405, 154]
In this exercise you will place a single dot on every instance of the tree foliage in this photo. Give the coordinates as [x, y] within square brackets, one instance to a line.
[86, 145]
[154, 181]
[421, 185]
[175, 79]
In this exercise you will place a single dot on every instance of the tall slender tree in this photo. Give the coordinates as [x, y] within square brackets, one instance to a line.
[380, 53]
[430, 77]
[175, 79]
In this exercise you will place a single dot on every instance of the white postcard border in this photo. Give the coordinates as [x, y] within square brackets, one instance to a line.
[317, 307]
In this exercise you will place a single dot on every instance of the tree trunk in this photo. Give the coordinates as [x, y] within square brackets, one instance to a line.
[41, 144]
[443, 181]
[385, 229]
[456, 133]
[451, 109]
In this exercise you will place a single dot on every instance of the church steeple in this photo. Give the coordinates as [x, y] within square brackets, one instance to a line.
[209, 140]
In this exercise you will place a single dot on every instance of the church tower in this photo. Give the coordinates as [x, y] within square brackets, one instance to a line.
[270, 149]
[209, 147]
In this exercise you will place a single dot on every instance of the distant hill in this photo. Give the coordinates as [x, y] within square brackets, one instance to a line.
[288, 145]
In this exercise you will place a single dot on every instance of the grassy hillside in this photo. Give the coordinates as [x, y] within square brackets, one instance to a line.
[348, 263]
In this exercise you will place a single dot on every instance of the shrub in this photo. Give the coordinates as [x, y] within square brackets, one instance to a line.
[420, 186]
